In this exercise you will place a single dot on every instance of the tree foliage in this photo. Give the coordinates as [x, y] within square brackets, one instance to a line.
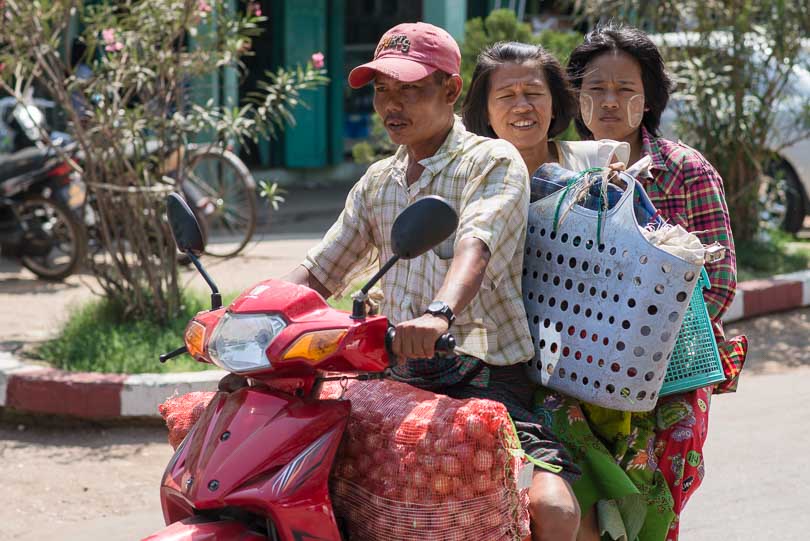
[129, 100]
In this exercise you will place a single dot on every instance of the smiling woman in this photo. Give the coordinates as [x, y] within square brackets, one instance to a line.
[519, 93]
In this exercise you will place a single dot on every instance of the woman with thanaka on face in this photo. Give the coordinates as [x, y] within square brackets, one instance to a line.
[640, 469]
[519, 93]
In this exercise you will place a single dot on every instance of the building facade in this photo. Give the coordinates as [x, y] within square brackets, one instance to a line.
[346, 31]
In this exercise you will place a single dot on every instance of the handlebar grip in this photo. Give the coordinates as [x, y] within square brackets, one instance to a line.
[445, 345]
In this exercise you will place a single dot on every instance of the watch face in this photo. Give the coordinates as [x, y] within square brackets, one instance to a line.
[436, 306]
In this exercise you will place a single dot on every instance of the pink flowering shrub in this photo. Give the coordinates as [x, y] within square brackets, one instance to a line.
[130, 89]
[317, 60]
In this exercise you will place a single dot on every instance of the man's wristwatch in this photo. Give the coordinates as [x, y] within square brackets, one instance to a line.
[440, 308]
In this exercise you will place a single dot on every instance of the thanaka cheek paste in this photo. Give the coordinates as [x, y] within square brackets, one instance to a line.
[635, 111]
[586, 108]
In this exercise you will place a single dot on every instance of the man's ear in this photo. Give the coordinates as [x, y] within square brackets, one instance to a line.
[453, 86]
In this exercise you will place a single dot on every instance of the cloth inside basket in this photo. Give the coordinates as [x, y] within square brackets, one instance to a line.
[549, 178]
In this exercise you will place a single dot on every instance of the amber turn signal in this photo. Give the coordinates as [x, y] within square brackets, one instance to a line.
[315, 346]
[195, 338]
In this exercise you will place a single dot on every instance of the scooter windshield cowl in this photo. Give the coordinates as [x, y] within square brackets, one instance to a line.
[345, 344]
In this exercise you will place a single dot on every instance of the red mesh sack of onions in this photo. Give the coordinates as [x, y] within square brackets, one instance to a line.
[181, 412]
[415, 465]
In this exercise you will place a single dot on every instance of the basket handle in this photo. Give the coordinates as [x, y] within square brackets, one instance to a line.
[602, 208]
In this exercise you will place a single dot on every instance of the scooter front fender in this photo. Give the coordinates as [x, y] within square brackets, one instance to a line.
[202, 529]
[262, 451]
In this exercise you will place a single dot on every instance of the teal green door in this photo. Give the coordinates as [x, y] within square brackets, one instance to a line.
[305, 32]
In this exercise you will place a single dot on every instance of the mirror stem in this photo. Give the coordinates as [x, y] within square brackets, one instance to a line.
[360, 298]
[216, 298]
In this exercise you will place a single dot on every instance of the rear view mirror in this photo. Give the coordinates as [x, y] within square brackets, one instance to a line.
[421, 226]
[185, 229]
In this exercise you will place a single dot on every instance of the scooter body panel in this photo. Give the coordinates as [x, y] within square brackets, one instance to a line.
[264, 451]
[202, 529]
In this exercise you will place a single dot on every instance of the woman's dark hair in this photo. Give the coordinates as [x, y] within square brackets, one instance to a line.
[617, 37]
[474, 109]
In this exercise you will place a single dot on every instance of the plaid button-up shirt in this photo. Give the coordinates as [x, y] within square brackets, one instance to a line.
[688, 191]
[487, 183]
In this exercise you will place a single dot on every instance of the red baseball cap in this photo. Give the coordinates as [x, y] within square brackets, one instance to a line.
[409, 52]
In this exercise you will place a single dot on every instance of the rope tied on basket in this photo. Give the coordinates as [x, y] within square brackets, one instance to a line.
[602, 199]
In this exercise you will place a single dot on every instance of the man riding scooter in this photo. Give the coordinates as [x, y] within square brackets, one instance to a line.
[471, 282]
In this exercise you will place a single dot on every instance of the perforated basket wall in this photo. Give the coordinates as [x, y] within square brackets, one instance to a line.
[603, 317]
[695, 361]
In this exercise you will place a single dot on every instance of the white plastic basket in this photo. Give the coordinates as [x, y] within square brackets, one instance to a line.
[603, 313]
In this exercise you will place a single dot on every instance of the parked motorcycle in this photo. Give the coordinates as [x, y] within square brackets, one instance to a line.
[257, 463]
[40, 200]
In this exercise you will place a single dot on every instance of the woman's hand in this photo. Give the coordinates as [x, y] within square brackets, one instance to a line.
[613, 176]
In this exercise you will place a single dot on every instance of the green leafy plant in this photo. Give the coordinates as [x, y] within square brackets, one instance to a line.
[130, 101]
[97, 338]
[775, 252]
[272, 192]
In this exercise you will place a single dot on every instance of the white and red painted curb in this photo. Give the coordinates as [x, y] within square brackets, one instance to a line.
[90, 395]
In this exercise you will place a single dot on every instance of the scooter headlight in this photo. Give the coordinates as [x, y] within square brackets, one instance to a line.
[240, 341]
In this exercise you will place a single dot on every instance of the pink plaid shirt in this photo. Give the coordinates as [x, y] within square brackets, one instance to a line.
[688, 191]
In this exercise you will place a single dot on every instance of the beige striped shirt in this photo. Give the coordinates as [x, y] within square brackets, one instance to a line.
[486, 182]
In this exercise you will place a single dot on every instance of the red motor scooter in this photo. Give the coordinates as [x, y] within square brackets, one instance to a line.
[257, 463]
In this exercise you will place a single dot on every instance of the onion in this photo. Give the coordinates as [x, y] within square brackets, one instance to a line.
[464, 451]
[381, 455]
[388, 471]
[482, 484]
[410, 494]
[430, 461]
[442, 485]
[492, 519]
[362, 466]
[455, 535]
[451, 465]
[465, 492]
[441, 445]
[441, 521]
[348, 470]
[418, 478]
[457, 434]
[483, 460]
[372, 442]
[475, 427]
[466, 519]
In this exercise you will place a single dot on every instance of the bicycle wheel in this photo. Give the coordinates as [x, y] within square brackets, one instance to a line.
[222, 193]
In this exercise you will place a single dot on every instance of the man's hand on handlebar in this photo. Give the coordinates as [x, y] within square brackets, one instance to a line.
[416, 338]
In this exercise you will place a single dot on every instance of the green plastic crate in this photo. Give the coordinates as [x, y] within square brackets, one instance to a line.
[695, 361]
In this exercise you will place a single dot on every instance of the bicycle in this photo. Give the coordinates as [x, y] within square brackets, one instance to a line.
[222, 194]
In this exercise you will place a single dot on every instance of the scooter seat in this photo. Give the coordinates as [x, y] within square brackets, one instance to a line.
[23, 161]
